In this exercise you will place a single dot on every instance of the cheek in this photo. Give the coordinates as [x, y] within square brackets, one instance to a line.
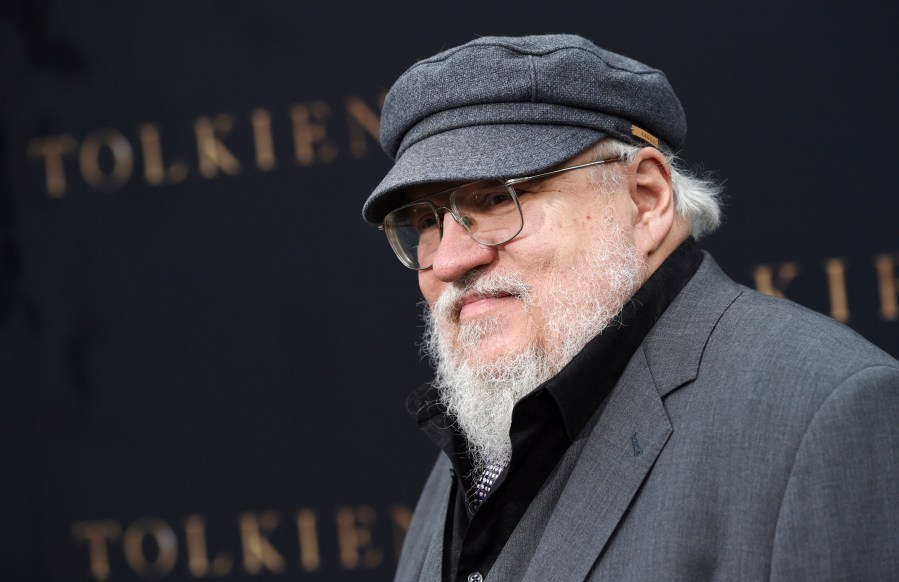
[559, 217]
[431, 287]
[552, 237]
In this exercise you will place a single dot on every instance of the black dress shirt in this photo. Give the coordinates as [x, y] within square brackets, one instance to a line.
[544, 423]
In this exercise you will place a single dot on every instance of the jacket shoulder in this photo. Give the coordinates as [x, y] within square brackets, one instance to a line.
[790, 341]
[730, 335]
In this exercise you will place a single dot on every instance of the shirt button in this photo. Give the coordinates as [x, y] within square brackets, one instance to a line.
[475, 577]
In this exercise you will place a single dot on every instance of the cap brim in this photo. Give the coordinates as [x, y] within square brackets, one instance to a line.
[475, 153]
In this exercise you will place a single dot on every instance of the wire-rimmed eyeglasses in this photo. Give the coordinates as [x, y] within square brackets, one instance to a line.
[488, 210]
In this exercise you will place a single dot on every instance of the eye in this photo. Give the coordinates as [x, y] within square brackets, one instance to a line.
[491, 199]
[424, 222]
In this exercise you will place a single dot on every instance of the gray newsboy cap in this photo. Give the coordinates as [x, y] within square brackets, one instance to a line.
[500, 107]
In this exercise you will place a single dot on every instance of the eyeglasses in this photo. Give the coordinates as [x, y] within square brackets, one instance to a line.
[488, 210]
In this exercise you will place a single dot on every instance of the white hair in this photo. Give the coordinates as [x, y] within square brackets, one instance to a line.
[697, 197]
[576, 304]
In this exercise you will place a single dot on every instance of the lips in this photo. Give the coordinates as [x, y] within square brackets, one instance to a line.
[474, 304]
[478, 293]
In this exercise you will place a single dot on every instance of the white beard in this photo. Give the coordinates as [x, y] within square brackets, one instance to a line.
[480, 396]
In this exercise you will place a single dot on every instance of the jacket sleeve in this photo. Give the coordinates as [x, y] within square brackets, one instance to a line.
[839, 517]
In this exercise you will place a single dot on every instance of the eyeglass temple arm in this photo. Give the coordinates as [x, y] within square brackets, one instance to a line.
[514, 181]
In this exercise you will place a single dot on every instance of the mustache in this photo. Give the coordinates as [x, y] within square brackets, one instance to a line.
[481, 284]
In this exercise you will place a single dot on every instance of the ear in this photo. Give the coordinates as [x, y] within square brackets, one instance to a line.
[652, 197]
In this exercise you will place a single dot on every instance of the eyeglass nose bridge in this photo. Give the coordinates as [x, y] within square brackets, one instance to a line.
[464, 221]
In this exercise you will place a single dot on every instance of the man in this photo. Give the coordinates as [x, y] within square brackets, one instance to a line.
[609, 405]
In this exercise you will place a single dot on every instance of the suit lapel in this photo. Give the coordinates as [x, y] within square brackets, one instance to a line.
[632, 430]
[619, 453]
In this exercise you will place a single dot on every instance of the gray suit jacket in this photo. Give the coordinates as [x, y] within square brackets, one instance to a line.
[747, 439]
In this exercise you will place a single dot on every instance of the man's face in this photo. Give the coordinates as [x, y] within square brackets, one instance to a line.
[491, 304]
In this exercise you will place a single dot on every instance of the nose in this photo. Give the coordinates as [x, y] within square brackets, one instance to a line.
[458, 253]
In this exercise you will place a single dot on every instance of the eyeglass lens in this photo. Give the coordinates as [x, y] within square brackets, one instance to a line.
[488, 210]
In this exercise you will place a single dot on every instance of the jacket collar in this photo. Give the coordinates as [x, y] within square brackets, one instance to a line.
[675, 345]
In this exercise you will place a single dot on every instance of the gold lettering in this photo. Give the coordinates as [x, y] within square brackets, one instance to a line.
[96, 534]
[258, 552]
[401, 516]
[154, 167]
[52, 149]
[214, 156]
[354, 537]
[195, 532]
[197, 554]
[887, 282]
[166, 544]
[836, 285]
[307, 133]
[766, 283]
[122, 159]
[154, 171]
[362, 121]
[262, 138]
[306, 526]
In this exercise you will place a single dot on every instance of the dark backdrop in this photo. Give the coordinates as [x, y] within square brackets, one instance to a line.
[205, 351]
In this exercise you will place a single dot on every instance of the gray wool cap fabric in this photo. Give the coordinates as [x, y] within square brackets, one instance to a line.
[501, 107]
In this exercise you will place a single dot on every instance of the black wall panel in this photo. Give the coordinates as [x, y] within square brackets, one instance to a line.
[205, 351]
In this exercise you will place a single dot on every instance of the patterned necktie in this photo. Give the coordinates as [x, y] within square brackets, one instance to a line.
[484, 484]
